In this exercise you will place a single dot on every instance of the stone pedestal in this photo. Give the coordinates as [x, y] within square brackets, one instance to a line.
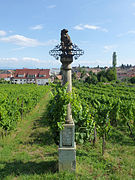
[66, 50]
[67, 148]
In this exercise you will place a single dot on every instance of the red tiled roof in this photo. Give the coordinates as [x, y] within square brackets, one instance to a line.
[11, 71]
[42, 72]
[32, 73]
[59, 77]
[20, 72]
[36, 72]
[78, 74]
[132, 75]
[5, 75]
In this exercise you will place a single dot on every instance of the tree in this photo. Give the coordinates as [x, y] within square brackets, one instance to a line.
[73, 75]
[92, 79]
[111, 74]
[101, 76]
[132, 80]
[122, 66]
[83, 72]
[103, 79]
[114, 59]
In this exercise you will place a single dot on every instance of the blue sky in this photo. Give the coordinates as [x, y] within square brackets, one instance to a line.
[30, 28]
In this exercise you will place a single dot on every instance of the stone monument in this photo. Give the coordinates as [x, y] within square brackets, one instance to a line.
[67, 147]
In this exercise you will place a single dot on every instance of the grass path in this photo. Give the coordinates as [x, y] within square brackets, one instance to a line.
[29, 153]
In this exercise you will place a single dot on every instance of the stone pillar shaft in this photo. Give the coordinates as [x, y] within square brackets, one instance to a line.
[67, 77]
[67, 147]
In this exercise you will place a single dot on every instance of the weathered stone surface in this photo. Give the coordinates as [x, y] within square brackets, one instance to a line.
[67, 135]
[66, 77]
[67, 159]
[66, 42]
[66, 51]
[67, 149]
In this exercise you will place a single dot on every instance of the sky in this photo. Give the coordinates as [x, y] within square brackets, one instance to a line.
[29, 29]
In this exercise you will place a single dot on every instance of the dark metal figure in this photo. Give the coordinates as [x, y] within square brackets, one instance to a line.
[66, 48]
[66, 42]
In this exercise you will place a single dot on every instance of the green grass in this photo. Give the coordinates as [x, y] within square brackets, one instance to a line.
[29, 153]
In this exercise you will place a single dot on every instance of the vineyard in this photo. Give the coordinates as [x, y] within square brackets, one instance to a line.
[96, 109]
[16, 101]
[101, 112]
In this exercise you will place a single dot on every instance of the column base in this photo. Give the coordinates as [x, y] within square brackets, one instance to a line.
[67, 158]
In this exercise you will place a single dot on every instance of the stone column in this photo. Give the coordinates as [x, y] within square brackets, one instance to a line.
[67, 77]
[67, 147]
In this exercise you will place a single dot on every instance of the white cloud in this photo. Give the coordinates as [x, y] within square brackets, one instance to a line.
[51, 42]
[87, 26]
[26, 42]
[18, 49]
[2, 33]
[30, 59]
[21, 41]
[91, 27]
[126, 33]
[28, 62]
[109, 48]
[131, 32]
[37, 27]
[51, 6]
[8, 59]
[79, 27]
[10, 31]
[90, 63]
[104, 29]
[121, 34]
[23, 59]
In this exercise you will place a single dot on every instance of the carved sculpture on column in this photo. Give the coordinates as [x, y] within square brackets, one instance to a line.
[66, 43]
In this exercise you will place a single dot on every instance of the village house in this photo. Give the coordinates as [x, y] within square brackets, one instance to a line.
[6, 77]
[125, 73]
[31, 76]
[95, 70]
[55, 71]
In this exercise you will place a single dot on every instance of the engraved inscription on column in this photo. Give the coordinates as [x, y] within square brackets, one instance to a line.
[67, 137]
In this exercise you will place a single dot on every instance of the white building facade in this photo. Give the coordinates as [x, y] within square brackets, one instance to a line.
[31, 76]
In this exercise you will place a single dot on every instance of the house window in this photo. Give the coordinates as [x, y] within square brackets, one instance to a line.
[20, 75]
[42, 75]
[31, 75]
